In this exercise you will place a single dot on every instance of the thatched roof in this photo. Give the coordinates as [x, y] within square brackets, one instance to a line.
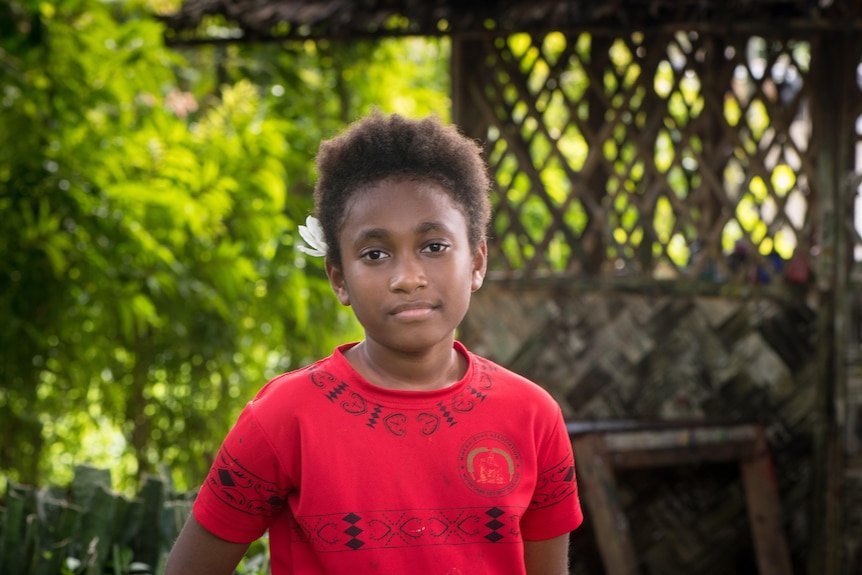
[346, 18]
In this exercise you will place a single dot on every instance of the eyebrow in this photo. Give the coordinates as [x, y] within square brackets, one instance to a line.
[423, 228]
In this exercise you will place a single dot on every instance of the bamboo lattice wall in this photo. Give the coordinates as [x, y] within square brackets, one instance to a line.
[650, 156]
[673, 220]
[671, 357]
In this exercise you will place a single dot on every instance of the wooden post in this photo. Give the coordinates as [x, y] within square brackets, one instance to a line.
[600, 495]
[466, 59]
[834, 74]
[764, 510]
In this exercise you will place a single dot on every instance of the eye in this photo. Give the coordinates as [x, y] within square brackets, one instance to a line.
[374, 255]
[435, 248]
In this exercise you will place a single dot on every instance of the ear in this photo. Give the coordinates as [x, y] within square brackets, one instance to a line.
[337, 282]
[480, 265]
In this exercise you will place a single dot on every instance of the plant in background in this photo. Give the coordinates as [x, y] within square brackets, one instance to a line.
[150, 199]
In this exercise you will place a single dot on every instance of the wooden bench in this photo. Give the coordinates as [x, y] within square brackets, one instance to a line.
[601, 447]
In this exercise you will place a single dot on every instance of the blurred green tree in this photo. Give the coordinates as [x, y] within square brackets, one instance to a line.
[148, 278]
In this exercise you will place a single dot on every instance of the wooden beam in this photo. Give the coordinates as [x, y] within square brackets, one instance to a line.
[683, 446]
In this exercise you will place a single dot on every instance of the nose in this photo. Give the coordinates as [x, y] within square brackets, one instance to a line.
[409, 275]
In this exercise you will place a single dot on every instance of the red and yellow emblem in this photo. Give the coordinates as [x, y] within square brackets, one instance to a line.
[490, 464]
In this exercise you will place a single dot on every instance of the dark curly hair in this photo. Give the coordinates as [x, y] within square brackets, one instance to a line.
[381, 146]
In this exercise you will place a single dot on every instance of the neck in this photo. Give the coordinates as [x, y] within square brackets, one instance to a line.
[436, 368]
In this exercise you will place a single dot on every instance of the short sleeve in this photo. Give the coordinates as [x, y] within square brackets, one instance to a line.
[244, 489]
[554, 508]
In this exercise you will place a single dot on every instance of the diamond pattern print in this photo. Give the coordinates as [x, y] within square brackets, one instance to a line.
[494, 525]
[354, 531]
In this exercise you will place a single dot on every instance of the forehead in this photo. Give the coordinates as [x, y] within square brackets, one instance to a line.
[402, 198]
[402, 184]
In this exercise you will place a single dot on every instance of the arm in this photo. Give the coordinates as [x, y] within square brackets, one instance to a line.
[199, 552]
[548, 557]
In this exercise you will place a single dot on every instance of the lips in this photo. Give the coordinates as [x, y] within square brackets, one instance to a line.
[413, 309]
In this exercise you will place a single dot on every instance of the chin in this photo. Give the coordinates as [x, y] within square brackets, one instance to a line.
[414, 345]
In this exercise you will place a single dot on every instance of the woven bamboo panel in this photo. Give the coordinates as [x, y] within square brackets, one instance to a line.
[639, 357]
[637, 173]
[664, 155]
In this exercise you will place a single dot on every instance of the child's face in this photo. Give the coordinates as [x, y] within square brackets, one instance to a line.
[407, 265]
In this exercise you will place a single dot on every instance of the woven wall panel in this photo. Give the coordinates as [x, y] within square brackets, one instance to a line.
[666, 162]
[665, 155]
[624, 356]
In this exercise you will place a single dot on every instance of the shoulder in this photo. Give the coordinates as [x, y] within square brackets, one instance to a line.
[295, 387]
[511, 385]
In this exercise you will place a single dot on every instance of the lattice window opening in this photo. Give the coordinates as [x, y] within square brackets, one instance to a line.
[855, 183]
[612, 157]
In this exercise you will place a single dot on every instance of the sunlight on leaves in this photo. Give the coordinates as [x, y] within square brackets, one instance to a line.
[553, 45]
[663, 219]
[783, 179]
[664, 79]
[757, 119]
[785, 242]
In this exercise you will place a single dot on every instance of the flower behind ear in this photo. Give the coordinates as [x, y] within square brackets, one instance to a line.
[312, 233]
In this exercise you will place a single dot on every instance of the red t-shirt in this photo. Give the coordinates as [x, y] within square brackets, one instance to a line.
[352, 478]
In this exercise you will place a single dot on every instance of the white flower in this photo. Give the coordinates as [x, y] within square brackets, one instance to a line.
[312, 233]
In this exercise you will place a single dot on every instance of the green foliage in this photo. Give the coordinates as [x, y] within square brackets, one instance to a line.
[90, 529]
[150, 282]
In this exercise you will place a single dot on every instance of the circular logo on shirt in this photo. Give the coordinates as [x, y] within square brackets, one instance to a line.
[490, 464]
